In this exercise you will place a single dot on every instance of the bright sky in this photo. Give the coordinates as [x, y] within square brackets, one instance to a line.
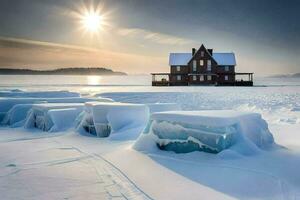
[136, 36]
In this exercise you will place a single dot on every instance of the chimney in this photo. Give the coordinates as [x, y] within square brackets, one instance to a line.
[193, 51]
[210, 51]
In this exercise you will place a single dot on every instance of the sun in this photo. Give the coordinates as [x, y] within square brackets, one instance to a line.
[92, 21]
[92, 18]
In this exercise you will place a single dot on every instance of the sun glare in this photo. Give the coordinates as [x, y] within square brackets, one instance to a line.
[92, 21]
[93, 80]
[92, 18]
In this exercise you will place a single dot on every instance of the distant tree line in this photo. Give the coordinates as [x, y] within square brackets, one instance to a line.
[61, 71]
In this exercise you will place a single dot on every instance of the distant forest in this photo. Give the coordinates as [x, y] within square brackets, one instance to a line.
[61, 71]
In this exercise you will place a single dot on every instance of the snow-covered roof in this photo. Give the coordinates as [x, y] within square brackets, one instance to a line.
[179, 58]
[184, 58]
[224, 58]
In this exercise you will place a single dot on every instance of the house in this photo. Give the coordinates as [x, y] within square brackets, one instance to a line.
[202, 67]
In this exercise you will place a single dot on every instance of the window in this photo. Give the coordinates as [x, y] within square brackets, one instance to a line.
[194, 65]
[226, 78]
[226, 68]
[178, 78]
[209, 77]
[208, 65]
[202, 53]
[178, 68]
[201, 62]
[201, 78]
[194, 78]
[194, 68]
[208, 62]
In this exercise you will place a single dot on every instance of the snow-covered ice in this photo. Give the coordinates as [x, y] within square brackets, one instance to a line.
[102, 118]
[63, 118]
[53, 116]
[68, 165]
[14, 110]
[210, 131]
[15, 117]
[6, 103]
[160, 107]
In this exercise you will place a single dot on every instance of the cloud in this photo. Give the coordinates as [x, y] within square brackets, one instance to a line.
[159, 38]
[7, 42]
[21, 53]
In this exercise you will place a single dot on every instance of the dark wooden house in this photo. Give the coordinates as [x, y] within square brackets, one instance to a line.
[202, 67]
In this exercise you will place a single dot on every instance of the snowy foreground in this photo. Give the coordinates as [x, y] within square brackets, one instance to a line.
[55, 160]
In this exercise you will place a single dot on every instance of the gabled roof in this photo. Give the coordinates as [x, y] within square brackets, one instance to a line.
[184, 58]
[179, 58]
[201, 47]
[224, 58]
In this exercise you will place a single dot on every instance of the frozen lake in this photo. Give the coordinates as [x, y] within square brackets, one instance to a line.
[70, 81]
[276, 98]
[74, 166]
[267, 94]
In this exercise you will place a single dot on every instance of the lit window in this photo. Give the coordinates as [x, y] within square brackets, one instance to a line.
[178, 78]
[226, 68]
[201, 62]
[201, 78]
[178, 68]
[209, 78]
[226, 78]
[194, 78]
[202, 53]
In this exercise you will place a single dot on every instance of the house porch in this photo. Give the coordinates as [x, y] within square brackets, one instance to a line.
[165, 79]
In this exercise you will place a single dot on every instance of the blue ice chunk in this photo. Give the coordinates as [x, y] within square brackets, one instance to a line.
[182, 137]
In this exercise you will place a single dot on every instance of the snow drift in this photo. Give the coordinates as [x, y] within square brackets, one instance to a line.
[209, 131]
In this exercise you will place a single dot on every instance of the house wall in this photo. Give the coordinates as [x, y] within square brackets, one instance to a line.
[202, 69]
[222, 73]
[174, 74]
[175, 81]
[183, 69]
[202, 82]
[221, 69]
[221, 78]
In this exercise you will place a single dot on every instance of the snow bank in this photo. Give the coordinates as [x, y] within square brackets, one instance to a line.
[53, 116]
[8, 103]
[102, 118]
[209, 131]
[42, 94]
